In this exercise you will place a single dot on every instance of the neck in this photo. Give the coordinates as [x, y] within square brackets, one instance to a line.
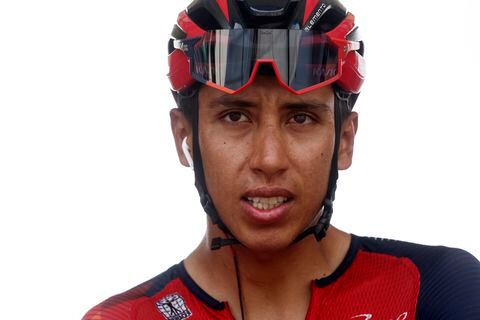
[283, 276]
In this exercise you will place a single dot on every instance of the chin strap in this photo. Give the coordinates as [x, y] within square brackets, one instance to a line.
[319, 230]
[192, 102]
[218, 242]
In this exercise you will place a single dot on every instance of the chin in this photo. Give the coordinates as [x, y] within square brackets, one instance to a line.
[267, 243]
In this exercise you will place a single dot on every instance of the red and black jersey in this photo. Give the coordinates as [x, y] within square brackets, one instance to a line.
[378, 279]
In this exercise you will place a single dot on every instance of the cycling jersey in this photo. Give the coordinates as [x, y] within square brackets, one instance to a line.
[378, 279]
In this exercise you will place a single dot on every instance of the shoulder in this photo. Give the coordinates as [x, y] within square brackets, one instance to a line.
[449, 277]
[451, 286]
[124, 306]
[428, 259]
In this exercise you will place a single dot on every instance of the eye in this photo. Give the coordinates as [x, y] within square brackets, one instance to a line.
[235, 116]
[301, 118]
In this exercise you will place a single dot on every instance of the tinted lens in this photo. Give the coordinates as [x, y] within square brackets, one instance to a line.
[224, 57]
[227, 57]
[313, 59]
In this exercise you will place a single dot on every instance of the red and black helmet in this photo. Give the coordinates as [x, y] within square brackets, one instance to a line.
[309, 43]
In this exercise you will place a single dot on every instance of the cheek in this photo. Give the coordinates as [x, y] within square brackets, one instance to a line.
[222, 162]
[316, 145]
[312, 163]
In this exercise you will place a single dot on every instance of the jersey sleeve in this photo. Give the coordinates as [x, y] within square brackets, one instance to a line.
[114, 308]
[124, 306]
[451, 289]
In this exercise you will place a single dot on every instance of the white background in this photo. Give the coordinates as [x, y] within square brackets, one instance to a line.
[93, 200]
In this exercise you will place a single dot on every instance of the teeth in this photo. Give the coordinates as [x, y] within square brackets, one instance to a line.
[266, 203]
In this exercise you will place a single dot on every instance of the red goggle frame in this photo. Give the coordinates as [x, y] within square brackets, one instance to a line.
[303, 61]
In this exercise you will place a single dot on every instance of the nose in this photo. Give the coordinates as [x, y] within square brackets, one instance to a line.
[269, 153]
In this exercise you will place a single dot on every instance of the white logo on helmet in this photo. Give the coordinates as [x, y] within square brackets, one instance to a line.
[320, 11]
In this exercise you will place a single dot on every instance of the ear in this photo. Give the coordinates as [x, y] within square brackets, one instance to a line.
[347, 139]
[181, 129]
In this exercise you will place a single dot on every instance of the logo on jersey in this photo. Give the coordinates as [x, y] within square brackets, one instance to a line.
[173, 307]
[368, 316]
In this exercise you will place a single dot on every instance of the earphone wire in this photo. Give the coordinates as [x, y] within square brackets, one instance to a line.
[239, 285]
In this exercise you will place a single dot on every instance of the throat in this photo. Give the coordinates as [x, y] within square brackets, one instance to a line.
[272, 285]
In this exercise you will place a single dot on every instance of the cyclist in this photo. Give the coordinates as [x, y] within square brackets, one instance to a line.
[265, 91]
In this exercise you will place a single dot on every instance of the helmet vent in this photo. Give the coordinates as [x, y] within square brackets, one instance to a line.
[278, 14]
[207, 15]
[266, 7]
[271, 13]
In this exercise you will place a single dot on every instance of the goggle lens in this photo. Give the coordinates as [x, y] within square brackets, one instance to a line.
[228, 58]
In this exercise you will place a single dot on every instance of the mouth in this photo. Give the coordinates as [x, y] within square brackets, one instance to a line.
[266, 203]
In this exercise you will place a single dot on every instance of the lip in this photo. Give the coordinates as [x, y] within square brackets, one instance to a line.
[266, 216]
[268, 192]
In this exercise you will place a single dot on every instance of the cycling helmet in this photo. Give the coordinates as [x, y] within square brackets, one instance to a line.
[308, 44]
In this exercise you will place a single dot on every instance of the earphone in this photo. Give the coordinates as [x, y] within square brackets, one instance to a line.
[186, 152]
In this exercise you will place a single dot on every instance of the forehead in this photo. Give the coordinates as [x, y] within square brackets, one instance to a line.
[265, 90]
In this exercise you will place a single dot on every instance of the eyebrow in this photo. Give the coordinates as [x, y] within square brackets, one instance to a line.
[231, 101]
[307, 105]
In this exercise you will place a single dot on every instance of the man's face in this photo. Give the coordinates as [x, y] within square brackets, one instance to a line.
[266, 154]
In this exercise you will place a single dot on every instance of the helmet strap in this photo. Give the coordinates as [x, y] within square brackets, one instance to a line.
[200, 184]
[319, 230]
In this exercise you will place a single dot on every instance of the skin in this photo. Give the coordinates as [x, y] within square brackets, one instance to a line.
[267, 137]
